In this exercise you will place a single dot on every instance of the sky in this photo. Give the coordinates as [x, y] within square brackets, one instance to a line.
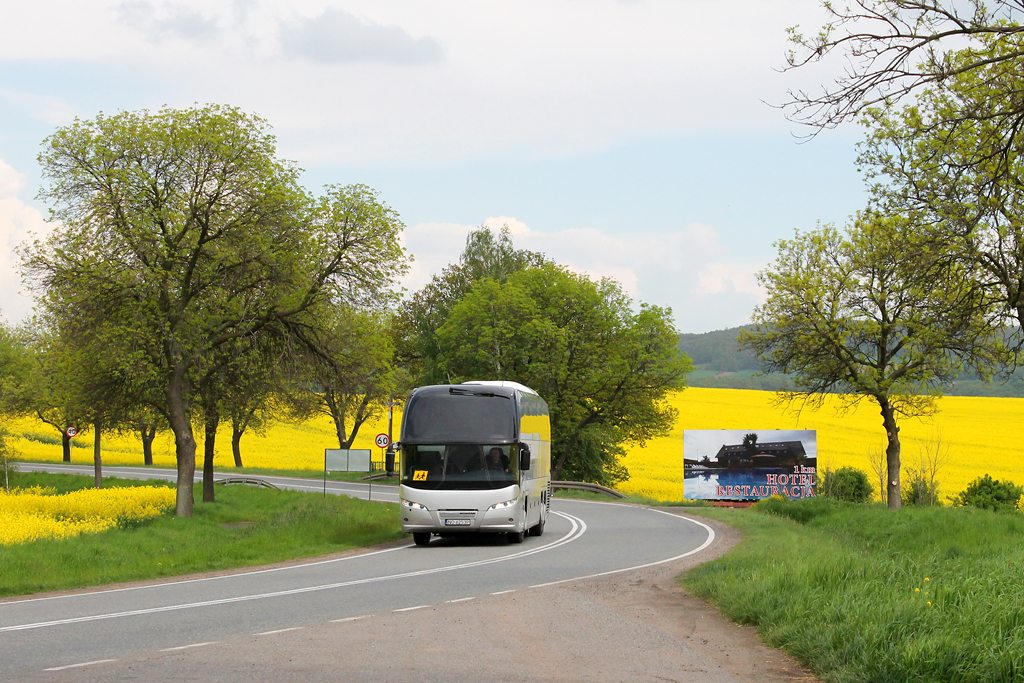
[634, 139]
[698, 443]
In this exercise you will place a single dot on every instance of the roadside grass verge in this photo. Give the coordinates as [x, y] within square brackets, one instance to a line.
[247, 526]
[846, 589]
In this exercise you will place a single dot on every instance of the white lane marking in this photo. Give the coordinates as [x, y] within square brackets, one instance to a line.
[460, 600]
[75, 666]
[280, 630]
[207, 578]
[579, 527]
[361, 616]
[409, 609]
[503, 592]
[189, 647]
[710, 539]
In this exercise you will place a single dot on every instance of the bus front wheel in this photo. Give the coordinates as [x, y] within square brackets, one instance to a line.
[516, 536]
[538, 529]
[421, 537]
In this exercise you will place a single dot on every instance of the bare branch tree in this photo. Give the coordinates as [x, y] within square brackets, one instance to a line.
[895, 47]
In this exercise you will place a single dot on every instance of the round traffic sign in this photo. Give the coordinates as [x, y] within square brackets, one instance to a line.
[382, 440]
[71, 431]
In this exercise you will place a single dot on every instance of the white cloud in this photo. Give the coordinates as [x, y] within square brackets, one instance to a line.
[167, 21]
[17, 222]
[687, 269]
[51, 110]
[537, 78]
[717, 278]
[335, 36]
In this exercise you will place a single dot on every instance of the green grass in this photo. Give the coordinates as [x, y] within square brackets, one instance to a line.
[246, 526]
[845, 588]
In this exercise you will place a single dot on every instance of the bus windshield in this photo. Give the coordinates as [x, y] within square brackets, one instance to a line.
[459, 466]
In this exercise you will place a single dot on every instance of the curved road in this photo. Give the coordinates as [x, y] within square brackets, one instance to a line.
[89, 632]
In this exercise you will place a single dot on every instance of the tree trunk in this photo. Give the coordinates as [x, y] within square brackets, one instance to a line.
[359, 419]
[212, 421]
[236, 441]
[338, 415]
[97, 458]
[892, 453]
[147, 434]
[65, 442]
[184, 444]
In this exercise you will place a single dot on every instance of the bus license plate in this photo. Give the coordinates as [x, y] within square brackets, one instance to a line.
[458, 522]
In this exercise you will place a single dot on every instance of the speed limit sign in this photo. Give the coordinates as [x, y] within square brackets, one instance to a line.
[382, 440]
[71, 431]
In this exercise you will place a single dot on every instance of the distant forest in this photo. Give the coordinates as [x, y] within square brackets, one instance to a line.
[720, 363]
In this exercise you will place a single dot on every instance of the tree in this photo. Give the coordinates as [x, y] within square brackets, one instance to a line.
[895, 47]
[931, 160]
[349, 373]
[875, 313]
[750, 444]
[486, 256]
[603, 368]
[15, 373]
[49, 392]
[181, 232]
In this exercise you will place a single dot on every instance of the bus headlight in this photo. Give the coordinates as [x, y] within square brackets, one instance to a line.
[502, 506]
[413, 506]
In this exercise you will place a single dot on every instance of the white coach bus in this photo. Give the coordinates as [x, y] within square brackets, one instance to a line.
[475, 457]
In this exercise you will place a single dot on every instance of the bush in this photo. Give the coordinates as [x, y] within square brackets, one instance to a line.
[801, 511]
[916, 489]
[846, 483]
[990, 494]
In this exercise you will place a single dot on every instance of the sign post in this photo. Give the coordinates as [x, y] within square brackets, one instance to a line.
[383, 441]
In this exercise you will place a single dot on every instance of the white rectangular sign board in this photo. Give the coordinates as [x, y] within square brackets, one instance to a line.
[347, 459]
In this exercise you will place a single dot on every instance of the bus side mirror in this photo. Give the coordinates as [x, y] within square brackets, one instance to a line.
[524, 457]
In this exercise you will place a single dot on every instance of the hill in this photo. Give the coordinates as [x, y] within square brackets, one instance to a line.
[720, 363]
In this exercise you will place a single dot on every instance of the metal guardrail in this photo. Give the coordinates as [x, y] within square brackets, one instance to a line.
[380, 475]
[584, 486]
[578, 485]
[252, 481]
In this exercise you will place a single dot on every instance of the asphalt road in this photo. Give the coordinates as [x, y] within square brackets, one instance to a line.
[93, 630]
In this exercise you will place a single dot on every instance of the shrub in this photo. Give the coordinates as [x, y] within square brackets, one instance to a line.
[990, 494]
[801, 511]
[846, 483]
[916, 489]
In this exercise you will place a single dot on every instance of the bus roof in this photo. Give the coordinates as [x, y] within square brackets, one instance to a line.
[504, 384]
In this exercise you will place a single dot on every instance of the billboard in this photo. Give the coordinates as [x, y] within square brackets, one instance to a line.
[749, 464]
[347, 460]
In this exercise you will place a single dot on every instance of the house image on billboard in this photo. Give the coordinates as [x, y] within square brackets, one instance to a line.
[770, 454]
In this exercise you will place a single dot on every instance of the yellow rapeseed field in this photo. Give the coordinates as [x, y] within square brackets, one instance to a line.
[980, 434]
[31, 514]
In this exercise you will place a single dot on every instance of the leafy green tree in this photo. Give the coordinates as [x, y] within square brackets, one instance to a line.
[874, 313]
[350, 374]
[486, 256]
[603, 368]
[15, 373]
[892, 48]
[932, 160]
[49, 391]
[180, 232]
